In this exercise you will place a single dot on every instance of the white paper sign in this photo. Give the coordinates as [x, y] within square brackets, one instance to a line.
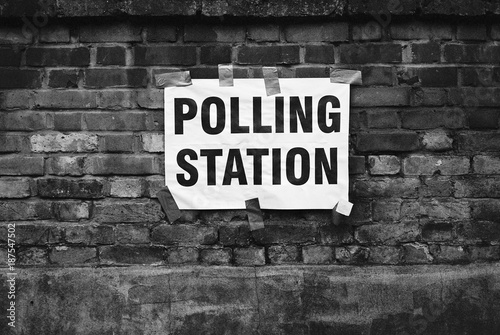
[224, 145]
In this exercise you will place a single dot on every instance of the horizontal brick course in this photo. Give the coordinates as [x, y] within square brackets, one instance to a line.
[268, 54]
[63, 56]
[100, 78]
[165, 55]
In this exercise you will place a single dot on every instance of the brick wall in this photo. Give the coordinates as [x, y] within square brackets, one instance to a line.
[81, 141]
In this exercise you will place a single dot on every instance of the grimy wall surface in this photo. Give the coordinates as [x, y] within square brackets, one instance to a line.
[81, 161]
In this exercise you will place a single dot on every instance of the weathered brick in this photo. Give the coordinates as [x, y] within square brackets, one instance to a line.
[54, 34]
[471, 53]
[10, 56]
[285, 233]
[370, 53]
[71, 188]
[479, 141]
[132, 234]
[17, 78]
[71, 210]
[127, 211]
[475, 96]
[15, 187]
[165, 55]
[153, 142]
[376, 75]
[319, 54]
[65, 99]
[478, 187]
[58, 142]
[421, 30]
[387, 187]
[448, 253]
[27, 234]
[11, 143]
[21, 165]
[435, 209]
[61, 56]
[114, 99]
[153, 185]
[268, 54]
[428, 52]
[481, 76]
[437, 140]
[369, 31]
[215, 54]
[235, 233]
[120, 254]
[336, 235]
[384, 255]
[116, 121]
[117, 143]
[353, 254]
[437, 232]
[215, 256]
[161, 33]
[436, 186]
[428, 119]
[31, 210]
[63, 78]
[387, 210]
[264, 32]
[99, 78]
[317, 32]
[484, 253]
[110, 32]
[126, 187]
[214, 33]
[90, 235]
[486, 164]
[416, 253]
[483, 119]
[23, 121]
[15, 35]
[318, 254]
[473, 32]
[381, 119]
[65, 165]
[486, 209]
[182, 255]
[478, 231]
[122, 164]
[429, 96]
[429, 165]
[313, 72]
[387, 142]
[437, 76]
[388, 234]
[184, 235]
[32, 256]
[357, 165]
[249, 256]
[72, 255]
[110, 56]
[380, 96]
[283, 254]
[384, 165]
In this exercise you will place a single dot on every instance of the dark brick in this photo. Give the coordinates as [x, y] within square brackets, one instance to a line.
[479, 231]
[416, 254]
[264, 32]
[24, 121]
[484, 253]
[380, 96]
[370, 53]
[66, 56]
[319, 54]
[478, 187]
[477, 142]
[73, 255]
[283, 254]
[357, 165]
[387, 142]
[122, 164]
[382, 119]
[131, 254]
[165, 55]
[387, 187]
[99, 78]
[70, 188]
[110, 32]
[435, 118]
[437, 76]
[285, 233]
[67, 99]
[63, 78]
[110, 121]
[161, 33]
[352, 254]
[67, 121]
[313, 72]
[211, 72]
[426, 52]
[384, 255]
[90, 235]
[38, 235]
[10, 56]
[481, 76]
[21, 165]
[25, 210]
[71, 210]
[211, 33]
[235, 234]
[483, 119]
[182, 255]
[471, 53]
[132, 234]
[486, 210]
[116, 143]
[15, 78]
[377, 76]
[317, 32]
[428, 96]
[388, 234]
[11, 143]
[411, 30]
[110, 56]
[474, 32]
[318, 254]
[336, 235]
[268, 54]
[127, 211]
[249, 256]
[475, 96]
[217, 54]
[215, 256]
[184, 235]
[55, 34]
[437, 232]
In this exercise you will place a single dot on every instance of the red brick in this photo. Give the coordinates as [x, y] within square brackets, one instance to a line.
[479, 142]
[471, 53]
[21, 165]
[119, 254]
[65, 165]
[285, 233]
[23, 121]
[317, 32]
[31, 210]
[216, 54]
[318, 254]
[10, 56]
[11, 143]
[369, 31]
[478, 187]
[165, 55]
[380, 96]
[62, 56]
[122, 164]
[387, 142]
[71, 210]
[370, 53]
[67, 121]
[215, 256]
[384, 165]
[15, 78]
[117, 143]
[481, 76]
[110, 56]
[473, 32]
[161, 33]
[421, 30]
[99, 78]
[283, 254]
[114, 32]
[486, 164]
[483, 119]
[54, 34]
[67, 142]
[132, 234]
[352, 254]
[71, 188]
[388, 234]
[268, 54]
[319, 54]
[387, 187]
[90, 235]
[63, 78]
[15, 187]
[429, 52]
[110, 121]
[65, 99]
[210, 33]
[264, 32]
[184, 235]
[433, 118]
[124, 211]
[249, 256]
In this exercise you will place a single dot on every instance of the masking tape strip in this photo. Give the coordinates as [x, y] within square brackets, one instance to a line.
[271, 80]
[172, 79]
[344, 207]
[226, 75]
[169, 205]
[344, 76]
[255, 217]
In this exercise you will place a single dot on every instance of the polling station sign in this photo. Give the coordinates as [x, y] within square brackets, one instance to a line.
[224, 145]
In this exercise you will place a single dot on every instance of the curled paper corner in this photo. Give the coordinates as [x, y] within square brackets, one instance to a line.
[344, 207]
[226, 77]
[173, 79]
[168, 204]
[271, 80]
[344, 76]
[254, 213]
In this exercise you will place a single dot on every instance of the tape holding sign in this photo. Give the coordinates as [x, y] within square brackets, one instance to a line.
[173, 79]
[290, 150]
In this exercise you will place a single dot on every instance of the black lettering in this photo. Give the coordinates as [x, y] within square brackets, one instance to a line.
[211, 166]
[335, 117]
[304, 117]
[205, 115]
[257, 163]
[280, 123]
[181, 161]
[234, 158]
[257, 117]
[276, 166]
[321, 164]
[290, 166]
[179, 114]
[235, 118]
